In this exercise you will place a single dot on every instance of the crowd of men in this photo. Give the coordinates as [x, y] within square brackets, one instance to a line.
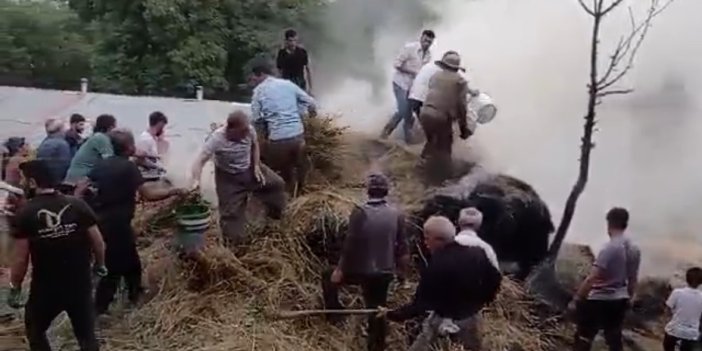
[68, 238]
[76, 213]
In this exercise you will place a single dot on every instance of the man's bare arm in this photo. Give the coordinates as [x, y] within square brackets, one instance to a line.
[196, 172]
[81, 187]
[20, 262]
[308, 77]
[97, 244]
[586, 285]
[151, 193]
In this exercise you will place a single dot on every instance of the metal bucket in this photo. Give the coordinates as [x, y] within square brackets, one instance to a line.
[483, 108]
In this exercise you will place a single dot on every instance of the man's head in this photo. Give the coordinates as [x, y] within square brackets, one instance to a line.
[438, 232]
[157, 122]
[427, 39]
[36, 175]
[290, 39]
[470, 218]
[77, 122]
[238, 126]
[260, 70]
[53, 126]
[377, 186]
[451, 60]
[693, 277]
[104, 124]
[617, 220]
[122, 142]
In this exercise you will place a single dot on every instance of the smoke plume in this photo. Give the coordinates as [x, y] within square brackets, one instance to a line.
[532, 57]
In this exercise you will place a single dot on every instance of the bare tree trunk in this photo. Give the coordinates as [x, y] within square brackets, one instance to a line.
[585, 148]
[542, 281]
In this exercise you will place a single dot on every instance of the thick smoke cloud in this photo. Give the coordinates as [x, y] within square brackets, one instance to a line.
[531, 56]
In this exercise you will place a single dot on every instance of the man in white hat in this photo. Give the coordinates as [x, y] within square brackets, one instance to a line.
[445, 103]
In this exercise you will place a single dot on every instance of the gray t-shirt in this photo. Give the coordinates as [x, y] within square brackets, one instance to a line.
[233, 157]
[619, 262]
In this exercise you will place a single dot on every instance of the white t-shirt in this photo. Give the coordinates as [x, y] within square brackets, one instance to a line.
[420, 86]
[146, 145]
[686, 305]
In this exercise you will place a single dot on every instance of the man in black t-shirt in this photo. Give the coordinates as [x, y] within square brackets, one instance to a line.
[58, 232]
[117, 181]
[293, 62]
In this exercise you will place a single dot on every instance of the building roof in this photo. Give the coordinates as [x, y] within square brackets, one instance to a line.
[24, 110]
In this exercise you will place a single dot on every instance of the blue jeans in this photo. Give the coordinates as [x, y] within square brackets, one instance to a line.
[404, 112]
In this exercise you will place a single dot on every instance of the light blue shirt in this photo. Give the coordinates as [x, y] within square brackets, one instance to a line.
[279, 104]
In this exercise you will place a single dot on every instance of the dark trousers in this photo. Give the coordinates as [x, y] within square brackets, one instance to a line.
[669, 343]
[439, 145]
[596, 315]
[122, 261]
[45, 304]
[233, 195]
[287, 158]
[375, 294]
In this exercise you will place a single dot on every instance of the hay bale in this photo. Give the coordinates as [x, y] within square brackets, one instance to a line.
[516, 221]
[515, 322]
[323, 142]
[573, 265]
[322, 219]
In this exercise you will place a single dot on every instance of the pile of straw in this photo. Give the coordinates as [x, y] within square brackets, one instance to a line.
[223, 299]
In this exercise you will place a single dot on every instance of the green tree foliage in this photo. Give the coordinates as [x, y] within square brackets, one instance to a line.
[167, 46]
[42, 43]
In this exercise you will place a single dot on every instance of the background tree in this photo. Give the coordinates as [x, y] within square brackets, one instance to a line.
[42, 44]
[602, 83]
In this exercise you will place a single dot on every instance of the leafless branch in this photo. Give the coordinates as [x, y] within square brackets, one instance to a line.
[587, 9]
[614, 92]
[611, 7]
[629, 45]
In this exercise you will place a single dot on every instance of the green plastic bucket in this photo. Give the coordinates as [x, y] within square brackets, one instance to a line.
[193, 221]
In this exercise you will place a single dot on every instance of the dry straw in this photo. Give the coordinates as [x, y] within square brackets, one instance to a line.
[221, 300]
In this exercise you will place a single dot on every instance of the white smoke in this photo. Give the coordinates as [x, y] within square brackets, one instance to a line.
[531, 56]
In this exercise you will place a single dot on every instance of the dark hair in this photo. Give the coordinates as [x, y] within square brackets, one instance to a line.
[156, 118]
[693, 276]
[14, 144]
[429, 33]
[104, 123]
[122, 141]
[618, 218]
[76, 118]
[40, 172]
[290, 33]
[377, 193]
[261, 66]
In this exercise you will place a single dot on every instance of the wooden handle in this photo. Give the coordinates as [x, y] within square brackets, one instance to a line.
[308, 313]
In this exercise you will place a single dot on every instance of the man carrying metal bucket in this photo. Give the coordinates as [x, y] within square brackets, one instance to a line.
[238, 173]
[115, 207]
[446, 101]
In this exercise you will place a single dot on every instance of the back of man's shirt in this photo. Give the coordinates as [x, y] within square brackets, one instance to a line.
[117, 180]
[57, 229]
[94, 149]
[618, 263]
[376, 239]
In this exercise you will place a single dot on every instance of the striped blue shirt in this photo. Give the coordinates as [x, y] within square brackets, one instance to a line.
[279, 104]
